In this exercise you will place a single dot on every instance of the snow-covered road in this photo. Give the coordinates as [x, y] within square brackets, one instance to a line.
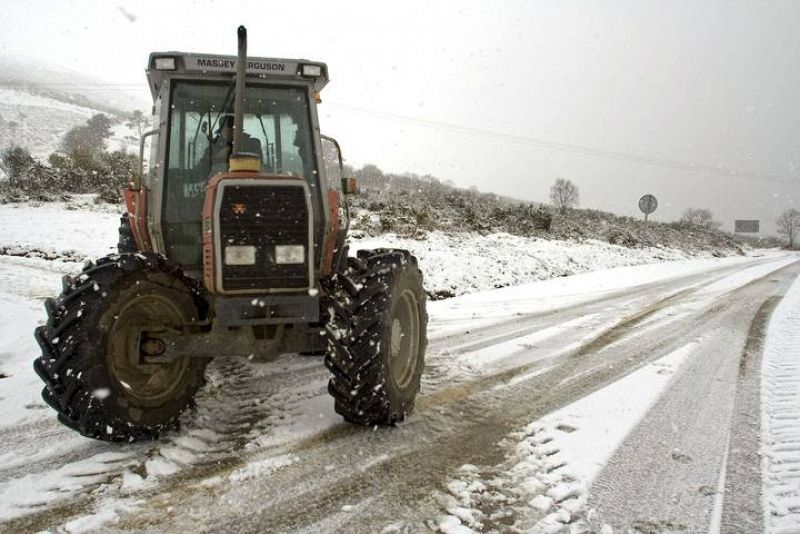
[621, 399]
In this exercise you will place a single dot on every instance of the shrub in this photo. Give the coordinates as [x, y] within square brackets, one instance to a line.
[78, 172]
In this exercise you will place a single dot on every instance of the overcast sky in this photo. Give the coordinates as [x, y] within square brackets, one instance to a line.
[622, 98]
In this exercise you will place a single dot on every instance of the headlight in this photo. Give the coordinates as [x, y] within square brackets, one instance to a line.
[165, 63]
[312, 70]
[290, 254]
[240, 255]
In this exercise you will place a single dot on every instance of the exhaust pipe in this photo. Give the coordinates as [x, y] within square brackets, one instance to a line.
[238, 106]
[241, 161]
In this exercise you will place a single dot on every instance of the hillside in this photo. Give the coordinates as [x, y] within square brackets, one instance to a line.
[56, 82]
[39, 103]
[411, 206]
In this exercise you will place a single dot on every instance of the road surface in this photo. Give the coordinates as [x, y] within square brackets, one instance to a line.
[263, 452]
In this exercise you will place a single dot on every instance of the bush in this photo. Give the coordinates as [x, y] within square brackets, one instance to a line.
[410, 205]
[622, 237]
[542, 220]
[78, 172]
[16, 161]
[27, 178]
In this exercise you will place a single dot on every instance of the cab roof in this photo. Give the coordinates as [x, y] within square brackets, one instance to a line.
[223, 67]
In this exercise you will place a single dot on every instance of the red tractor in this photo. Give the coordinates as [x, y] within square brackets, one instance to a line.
[234, 243]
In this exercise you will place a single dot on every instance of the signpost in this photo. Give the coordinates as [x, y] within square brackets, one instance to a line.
[744, 226]
[647, 205]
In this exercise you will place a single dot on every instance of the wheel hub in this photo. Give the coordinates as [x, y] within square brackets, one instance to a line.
[136, 360]
[152, 346]
[404, 339]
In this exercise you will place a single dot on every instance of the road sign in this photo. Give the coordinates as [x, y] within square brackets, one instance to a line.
[647, 205]
[743, 226]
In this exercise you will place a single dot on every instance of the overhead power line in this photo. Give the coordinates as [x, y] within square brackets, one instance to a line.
[581, 150]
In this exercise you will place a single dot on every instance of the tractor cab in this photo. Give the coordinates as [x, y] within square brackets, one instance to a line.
[194, 108]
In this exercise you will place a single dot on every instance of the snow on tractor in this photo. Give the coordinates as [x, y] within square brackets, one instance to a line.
[234, 243]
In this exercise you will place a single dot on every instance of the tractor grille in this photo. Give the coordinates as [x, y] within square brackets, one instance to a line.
[263, 216]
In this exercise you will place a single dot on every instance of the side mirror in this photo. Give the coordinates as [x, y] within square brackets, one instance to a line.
[349, 186]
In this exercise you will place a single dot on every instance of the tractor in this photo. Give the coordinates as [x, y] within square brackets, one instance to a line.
[234, 243]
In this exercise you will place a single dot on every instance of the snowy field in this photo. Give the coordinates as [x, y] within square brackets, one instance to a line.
[574, 372]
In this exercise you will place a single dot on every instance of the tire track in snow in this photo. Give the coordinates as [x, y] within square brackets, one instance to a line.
[738, 511]
[542, 486]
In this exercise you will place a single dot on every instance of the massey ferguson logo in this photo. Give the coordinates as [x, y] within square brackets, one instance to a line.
[239, 209]
[229, 64]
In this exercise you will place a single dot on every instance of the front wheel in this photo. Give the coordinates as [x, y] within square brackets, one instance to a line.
[101, 343]
[377, 335]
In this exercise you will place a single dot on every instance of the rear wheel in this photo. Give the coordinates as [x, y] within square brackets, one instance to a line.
[377, 334]
[101, 346]
[126, 243]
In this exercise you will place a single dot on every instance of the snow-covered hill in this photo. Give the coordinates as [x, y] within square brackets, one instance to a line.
[65, 85]
[39, 103]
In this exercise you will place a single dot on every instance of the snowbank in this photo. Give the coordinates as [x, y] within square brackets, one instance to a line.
[780, 416]
[457, 264]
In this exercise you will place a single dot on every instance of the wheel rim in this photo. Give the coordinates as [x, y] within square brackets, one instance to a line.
[404, 339]
[147, 383]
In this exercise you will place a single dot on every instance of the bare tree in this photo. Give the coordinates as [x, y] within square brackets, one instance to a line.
[138, 122]
[700, 217]
[564, 194]
[370, 176]
[788, 224]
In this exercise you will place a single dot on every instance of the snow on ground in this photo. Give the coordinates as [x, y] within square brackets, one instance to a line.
[456, 264]
[556, 293]
[549, 470]
[74, 234]
[79, 228]
[780, 417]
[544, 482]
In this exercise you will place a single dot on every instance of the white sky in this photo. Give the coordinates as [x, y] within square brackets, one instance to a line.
[712, 84]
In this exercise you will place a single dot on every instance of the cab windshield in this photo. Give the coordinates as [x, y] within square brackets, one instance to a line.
[276, 129]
